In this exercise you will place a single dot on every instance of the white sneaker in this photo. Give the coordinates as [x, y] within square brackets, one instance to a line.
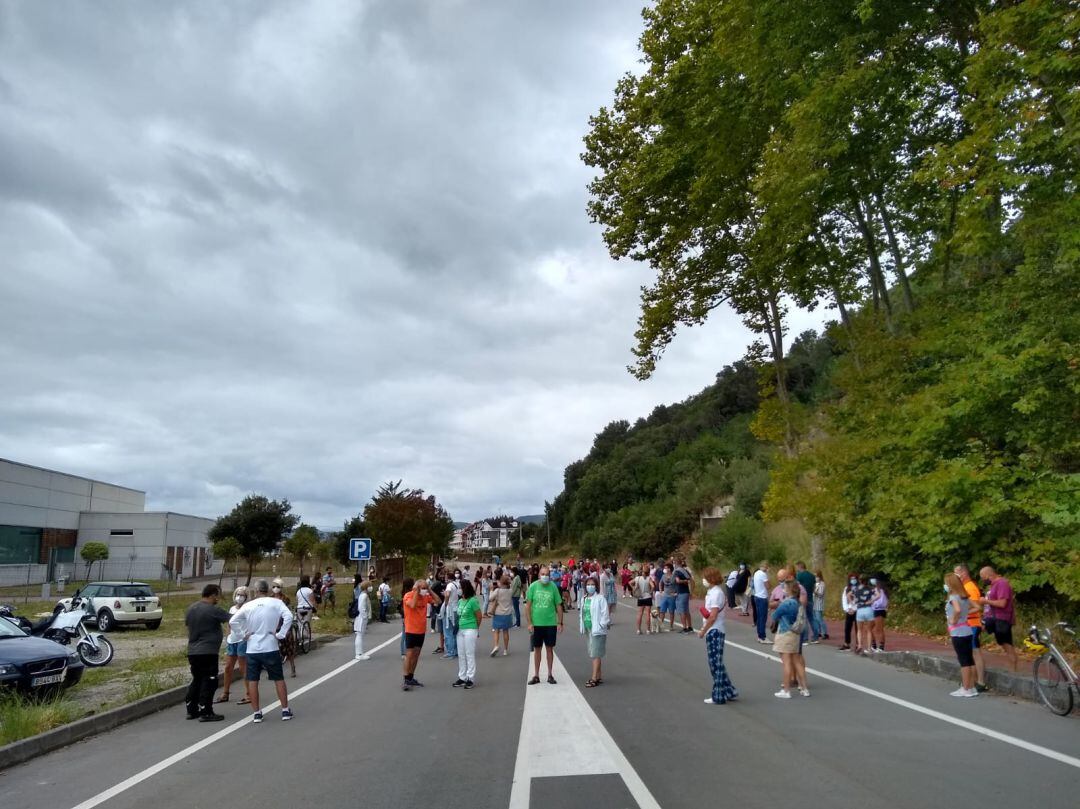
[505, 652]
[804, 691]
[959, 692]
[709, 701]
[639, 631]
[494, 652]
[971, 692]
[782, 694]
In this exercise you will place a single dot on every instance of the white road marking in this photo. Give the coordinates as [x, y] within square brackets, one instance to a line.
[165, 763]
[1038, 749]
[587, 749]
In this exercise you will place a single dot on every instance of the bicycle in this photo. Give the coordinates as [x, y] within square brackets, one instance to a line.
[301, 630]
[1055, 679]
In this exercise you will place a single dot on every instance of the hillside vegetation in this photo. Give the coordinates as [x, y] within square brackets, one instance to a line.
[913, 166]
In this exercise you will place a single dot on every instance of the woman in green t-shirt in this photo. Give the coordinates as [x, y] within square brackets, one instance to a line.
[594, 620]
[469, 618]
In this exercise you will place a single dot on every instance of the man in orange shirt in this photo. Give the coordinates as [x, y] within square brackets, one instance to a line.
[975, 622]
[415, 598]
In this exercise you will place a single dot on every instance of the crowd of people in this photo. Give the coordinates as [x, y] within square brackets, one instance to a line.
[454, 602]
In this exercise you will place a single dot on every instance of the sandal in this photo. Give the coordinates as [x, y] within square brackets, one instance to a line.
[591, 683]
[551, 680]
[243, 701]
[534, 681]
[221, 699]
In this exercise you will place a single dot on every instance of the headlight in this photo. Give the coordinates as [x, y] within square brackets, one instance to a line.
[8, 668]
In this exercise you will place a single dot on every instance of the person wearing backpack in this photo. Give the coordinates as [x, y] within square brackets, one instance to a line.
[790, 620]
[360, 612]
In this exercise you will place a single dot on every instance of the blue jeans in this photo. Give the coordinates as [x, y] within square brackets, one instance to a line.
[820, 629]
[761, 614]
[517, 610]
[450, 639]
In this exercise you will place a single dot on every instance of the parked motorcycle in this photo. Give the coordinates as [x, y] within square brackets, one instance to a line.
[66, 627]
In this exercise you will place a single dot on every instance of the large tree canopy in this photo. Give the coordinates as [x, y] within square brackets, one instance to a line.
[914, 163]
[407, 521]
[258, 524]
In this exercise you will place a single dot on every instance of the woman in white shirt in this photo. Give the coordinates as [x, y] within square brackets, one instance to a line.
[713, 631]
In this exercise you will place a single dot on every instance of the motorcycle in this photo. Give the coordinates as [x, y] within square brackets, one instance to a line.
[66, 626]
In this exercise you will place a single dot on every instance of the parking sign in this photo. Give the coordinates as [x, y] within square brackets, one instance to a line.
[359, 549]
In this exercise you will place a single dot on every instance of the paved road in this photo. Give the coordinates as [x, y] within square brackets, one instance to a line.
[869, 735]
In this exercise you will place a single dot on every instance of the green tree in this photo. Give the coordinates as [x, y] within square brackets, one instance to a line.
[407, 521]
[301, 544]
[94, 552]
[227, 549]
[353, 527]
[258, 524]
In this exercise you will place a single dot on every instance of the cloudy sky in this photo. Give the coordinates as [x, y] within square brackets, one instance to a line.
[304, 248]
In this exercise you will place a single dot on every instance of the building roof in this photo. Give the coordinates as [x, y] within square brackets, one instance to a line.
[69, 475]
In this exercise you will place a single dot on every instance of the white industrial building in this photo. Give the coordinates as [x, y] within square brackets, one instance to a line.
[47, 516]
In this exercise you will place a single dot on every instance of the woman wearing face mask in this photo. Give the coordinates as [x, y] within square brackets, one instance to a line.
[501, 609]
[847, 604]
[469, 618]
[670, 590]
[287, 646]
[608, 586]
[594, 618]
[723, 689]
[880, 606]
[790, 621]
[361, 593]
[235, 650]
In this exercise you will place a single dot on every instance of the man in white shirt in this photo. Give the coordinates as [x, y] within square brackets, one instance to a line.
[263, 622]
[761, 600]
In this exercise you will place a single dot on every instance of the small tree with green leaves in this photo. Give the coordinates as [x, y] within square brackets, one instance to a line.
[94, 552]
[302, 543]
[227, 549]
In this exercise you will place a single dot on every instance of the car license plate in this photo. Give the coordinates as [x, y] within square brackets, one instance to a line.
[49, 679]
[140, 608]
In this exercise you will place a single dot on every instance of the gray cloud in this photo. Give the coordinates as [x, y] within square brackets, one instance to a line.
[303, 249]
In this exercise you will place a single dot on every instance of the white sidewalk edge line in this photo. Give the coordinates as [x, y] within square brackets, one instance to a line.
[165, 763]
[1031, 747]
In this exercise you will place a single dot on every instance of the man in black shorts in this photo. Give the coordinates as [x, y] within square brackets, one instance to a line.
[544, 618]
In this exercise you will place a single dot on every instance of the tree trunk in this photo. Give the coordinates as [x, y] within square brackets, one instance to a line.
[251, 570]
[876, 275]
[898, 257]
[946, 270]
[774, 326]
[817, 551]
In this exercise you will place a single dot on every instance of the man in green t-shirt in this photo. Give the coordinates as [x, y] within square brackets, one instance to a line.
[544, 618]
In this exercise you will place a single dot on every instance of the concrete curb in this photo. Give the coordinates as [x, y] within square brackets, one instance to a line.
[1002, 683]
[26, 749]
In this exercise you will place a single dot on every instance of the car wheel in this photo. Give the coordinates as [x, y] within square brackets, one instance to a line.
[153, 624]
[105, 621]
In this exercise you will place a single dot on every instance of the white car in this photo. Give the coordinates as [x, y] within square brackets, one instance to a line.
[109, 603]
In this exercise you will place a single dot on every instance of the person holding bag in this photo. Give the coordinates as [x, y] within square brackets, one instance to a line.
[789, 620]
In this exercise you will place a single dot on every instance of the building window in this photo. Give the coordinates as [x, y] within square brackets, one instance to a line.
[121, 532]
